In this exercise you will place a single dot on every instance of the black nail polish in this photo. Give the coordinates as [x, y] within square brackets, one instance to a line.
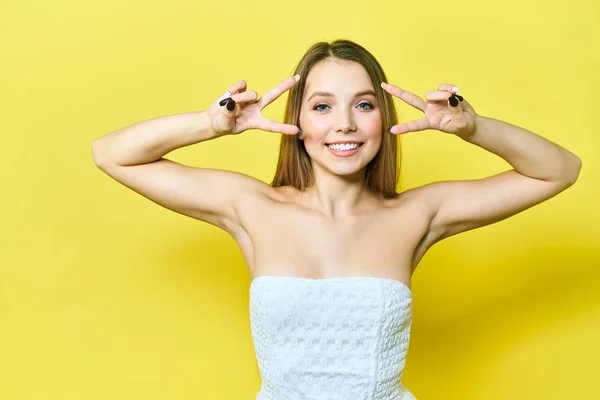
[390, 130]
[453, 101]
[300, 132]
[224, 101]
[459, 97]
[230, 105]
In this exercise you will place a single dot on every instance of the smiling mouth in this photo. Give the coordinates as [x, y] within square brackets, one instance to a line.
[344, 146]
[344, 150]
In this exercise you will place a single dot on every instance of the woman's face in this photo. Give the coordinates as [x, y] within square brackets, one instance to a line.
[339, 105]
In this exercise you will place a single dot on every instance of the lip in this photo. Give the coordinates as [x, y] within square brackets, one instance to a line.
[344, 153]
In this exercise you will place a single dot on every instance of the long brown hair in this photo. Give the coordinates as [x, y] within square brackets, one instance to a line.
[294, 165]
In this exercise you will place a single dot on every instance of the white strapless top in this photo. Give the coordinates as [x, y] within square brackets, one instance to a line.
[332, 338]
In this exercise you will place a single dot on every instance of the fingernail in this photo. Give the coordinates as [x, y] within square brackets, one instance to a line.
[297, 77]
[222, 102]
[455, 89]
[230, 105]
[382, 84]
[300, 132]
[453, 101]
[459, 97]
[390, 130]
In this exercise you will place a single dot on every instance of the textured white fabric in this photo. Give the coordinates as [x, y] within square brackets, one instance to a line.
[333, 338]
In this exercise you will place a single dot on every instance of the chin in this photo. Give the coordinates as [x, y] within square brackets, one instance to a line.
[347, 170]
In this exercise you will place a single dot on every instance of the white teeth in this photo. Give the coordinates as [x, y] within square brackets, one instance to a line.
[346, 146]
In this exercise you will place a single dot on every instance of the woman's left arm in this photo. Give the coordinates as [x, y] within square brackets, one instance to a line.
[542, 169]
[530, 154]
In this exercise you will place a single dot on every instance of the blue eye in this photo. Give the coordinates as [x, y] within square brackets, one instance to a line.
[361, 104]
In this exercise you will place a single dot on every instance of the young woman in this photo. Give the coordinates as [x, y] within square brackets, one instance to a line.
[330, 244]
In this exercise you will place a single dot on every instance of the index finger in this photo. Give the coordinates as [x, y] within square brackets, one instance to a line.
[274, 93]
[408, 97]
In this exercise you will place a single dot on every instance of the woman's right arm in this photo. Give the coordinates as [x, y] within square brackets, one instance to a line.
[134, 157]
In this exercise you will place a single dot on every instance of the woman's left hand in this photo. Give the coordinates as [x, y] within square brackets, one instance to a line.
[438, 109]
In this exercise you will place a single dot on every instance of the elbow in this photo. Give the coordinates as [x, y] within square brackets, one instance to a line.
[97, 153]
[572, 170]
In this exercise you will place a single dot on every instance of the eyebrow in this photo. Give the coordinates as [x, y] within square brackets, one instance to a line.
[328, 94]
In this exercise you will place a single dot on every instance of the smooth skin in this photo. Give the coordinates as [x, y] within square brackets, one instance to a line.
[337, 228]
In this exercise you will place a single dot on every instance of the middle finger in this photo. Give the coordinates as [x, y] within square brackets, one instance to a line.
[245, 97]
[438, 95]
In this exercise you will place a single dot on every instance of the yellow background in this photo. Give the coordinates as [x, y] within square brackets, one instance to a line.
[105, 295]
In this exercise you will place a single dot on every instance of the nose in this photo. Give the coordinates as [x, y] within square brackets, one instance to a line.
[345, 122]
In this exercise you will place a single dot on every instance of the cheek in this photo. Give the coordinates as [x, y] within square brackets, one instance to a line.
[373, 122]
[371, 129]
[318, 127]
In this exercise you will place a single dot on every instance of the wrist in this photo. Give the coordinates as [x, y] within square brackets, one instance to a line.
[205, 128]
[476, 131]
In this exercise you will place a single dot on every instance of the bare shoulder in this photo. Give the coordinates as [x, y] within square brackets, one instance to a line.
[259, 199]
[420, 207]
[254, 206]
[416, 199]
[428, 197]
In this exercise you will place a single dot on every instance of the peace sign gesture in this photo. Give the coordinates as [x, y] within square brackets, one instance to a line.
[444, 110]
[239, 110]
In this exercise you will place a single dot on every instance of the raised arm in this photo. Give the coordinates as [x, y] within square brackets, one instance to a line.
[134, 156]
[542, 169]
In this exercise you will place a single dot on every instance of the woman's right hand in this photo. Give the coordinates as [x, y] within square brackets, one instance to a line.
[243, 110]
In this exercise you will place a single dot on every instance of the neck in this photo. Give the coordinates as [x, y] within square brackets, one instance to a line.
[337, 196]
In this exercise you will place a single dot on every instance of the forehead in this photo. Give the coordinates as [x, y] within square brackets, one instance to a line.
[337, 76]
